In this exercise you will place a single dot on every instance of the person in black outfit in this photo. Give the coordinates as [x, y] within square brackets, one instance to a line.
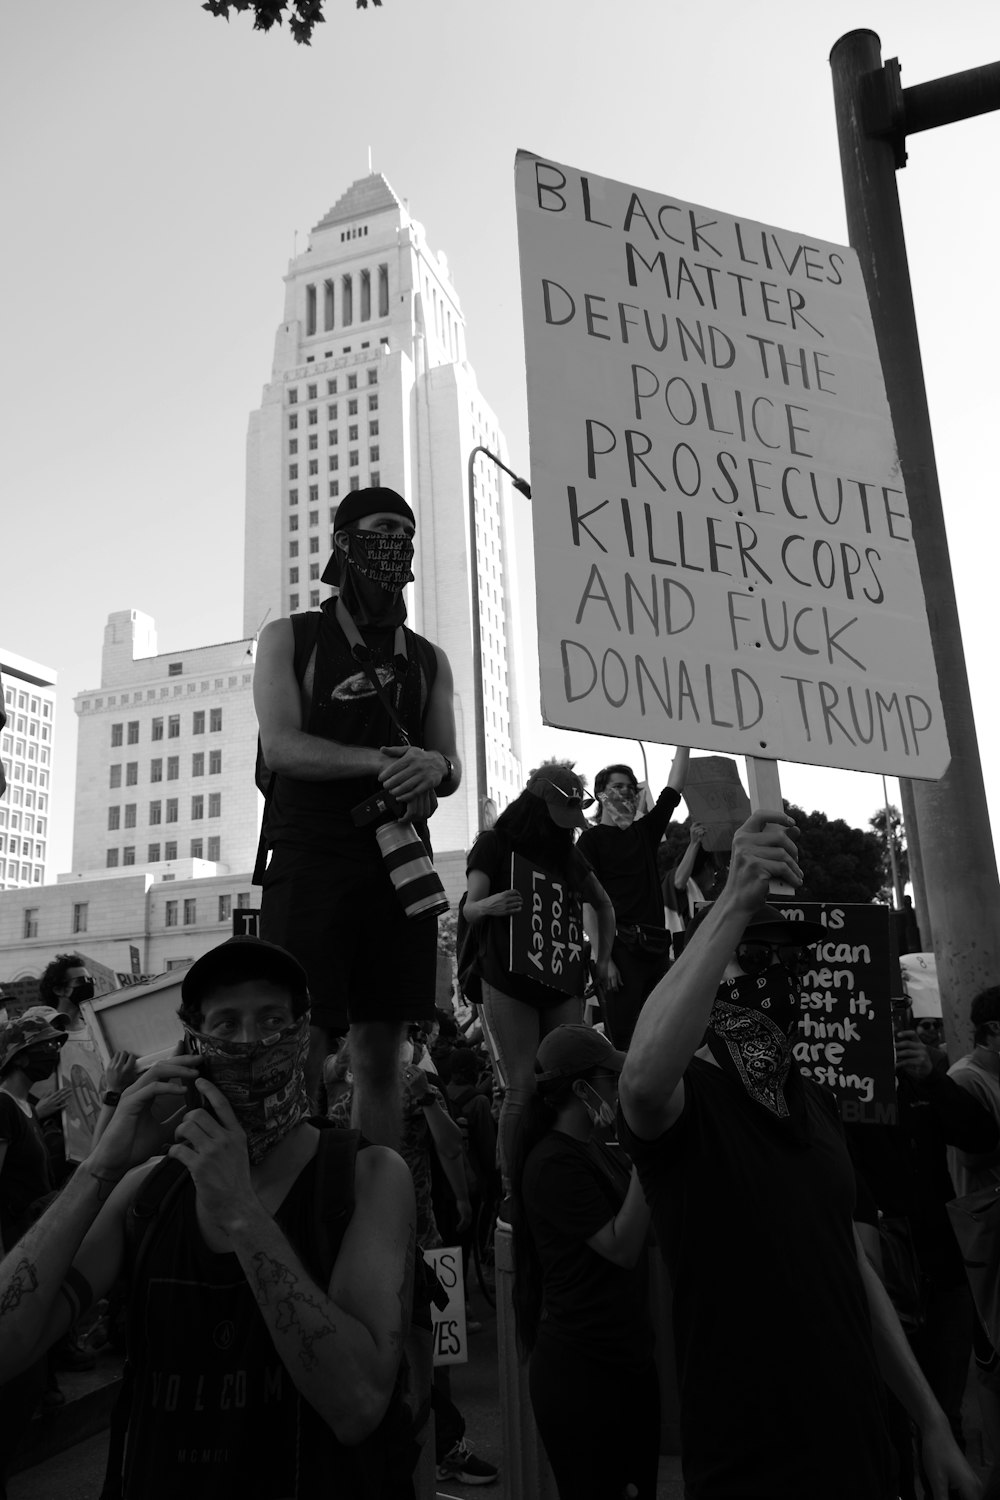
[904, 1167]
[784, 1332]
[264, 1338]
[621, 851]
[333, 744]
[517, 1010]
[580, 1223]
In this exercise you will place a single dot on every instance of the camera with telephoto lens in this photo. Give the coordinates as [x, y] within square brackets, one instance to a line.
[414, 878]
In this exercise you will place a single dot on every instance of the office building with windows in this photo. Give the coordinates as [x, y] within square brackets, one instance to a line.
[165, 759]
[371, 385]
[26, 745]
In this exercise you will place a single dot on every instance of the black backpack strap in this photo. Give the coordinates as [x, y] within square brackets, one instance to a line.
[305, 634]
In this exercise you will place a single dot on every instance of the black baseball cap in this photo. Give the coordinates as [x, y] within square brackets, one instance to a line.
[573, 1049]
[377, 500]
[240, 959]
[767, 925]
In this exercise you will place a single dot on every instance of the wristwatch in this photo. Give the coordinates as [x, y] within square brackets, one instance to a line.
[449, 775]
[111, 1098]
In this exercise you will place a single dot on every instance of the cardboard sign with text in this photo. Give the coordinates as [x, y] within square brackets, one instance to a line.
[845, 1035]
[715, 797]
[718, 511]
[546, 935]
[451, 1339]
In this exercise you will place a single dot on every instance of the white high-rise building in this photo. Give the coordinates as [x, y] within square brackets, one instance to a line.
[371, 385]
[165, 759]
[26, 753]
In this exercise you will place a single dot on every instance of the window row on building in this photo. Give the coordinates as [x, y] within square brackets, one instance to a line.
[165, 811]
[199, 761]
[210, 849]
[127, 732]
[172, 913]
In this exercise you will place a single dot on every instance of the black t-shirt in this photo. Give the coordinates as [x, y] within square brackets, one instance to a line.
[624, 861]
[491, 854]
[781, 1397]
[25, 1176]
[591, 1308]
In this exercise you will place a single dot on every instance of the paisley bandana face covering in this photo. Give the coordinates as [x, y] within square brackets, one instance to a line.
[751, 1031]
[620, 804]
[383, 558]
[263, 1081]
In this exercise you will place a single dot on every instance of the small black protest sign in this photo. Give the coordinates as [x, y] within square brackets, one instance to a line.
[845, 1034]
[546, 935]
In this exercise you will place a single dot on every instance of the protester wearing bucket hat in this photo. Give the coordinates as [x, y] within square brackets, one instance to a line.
[517, 1010]
[292, 1240]
[337, 747]
[580, 1223]
[745, 1168]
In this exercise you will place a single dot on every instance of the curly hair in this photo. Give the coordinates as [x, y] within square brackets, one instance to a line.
[55, 976]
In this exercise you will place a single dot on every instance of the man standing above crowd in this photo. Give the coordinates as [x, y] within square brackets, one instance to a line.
[333, 741]
[784, 1332]
[621, 850]
[269, 1263]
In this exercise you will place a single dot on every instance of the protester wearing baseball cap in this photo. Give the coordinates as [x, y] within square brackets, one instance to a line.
[744, 1164]
[518, 1010]
[252, 1211]
[580, 1223]
[353, 706]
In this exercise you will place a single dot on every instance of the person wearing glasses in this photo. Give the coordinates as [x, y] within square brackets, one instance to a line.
[580, 1276]
[517, 1011]
[784, 1332]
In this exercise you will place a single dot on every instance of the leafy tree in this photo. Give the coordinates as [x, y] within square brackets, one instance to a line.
[898, 837]
[838, 863]
[303, 15]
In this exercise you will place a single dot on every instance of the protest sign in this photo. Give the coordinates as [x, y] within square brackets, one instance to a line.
[451, 1340]
[546, 935]
[715, 798]
[718, 510]
[845, 1035]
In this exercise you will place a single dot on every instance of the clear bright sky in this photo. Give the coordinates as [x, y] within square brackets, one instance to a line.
[158, 162]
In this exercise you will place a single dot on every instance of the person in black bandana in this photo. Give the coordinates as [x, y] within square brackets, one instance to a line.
[784, 1332]
[333, 743]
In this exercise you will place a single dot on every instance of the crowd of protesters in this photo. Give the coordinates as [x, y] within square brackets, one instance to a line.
[260, 1200]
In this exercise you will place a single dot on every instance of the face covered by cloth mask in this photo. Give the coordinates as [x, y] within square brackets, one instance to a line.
[751, 1031]
[38, 1063]
[620, 804]
[83, 989]
[264, 1082]
[602, 1114]
[382, 558]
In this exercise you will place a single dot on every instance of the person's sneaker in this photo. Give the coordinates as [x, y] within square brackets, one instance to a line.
[504, 1216]
[462, 1465]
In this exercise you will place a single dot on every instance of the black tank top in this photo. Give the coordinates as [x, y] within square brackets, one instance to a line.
[344, 707]
[215, 1415]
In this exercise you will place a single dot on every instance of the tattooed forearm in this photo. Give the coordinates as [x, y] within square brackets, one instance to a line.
[22, 1282]
[298, 1312]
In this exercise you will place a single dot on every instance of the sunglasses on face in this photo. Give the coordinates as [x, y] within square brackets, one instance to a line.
[572, 799]
[754, 956]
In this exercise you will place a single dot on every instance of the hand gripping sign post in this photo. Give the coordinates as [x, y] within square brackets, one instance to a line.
[718, 509]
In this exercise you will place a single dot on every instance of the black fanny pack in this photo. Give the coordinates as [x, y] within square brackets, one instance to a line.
[639, 937]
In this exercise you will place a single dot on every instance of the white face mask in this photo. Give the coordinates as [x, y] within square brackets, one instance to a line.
[604, 1114]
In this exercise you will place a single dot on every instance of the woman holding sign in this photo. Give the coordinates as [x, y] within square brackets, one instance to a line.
[530, 951]
[580, 1228]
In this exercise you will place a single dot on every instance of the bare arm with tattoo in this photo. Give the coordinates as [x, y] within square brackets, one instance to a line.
[73, 1253]
[342, 1344]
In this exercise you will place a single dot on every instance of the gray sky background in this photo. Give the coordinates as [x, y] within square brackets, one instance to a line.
[158, 162]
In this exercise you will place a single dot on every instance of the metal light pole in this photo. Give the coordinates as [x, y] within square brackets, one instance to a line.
[482, 784]
[955, 878]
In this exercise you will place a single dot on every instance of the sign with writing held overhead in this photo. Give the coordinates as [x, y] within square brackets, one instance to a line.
[845, 1035]
[546, 935]
[718, 510]
[715, 798]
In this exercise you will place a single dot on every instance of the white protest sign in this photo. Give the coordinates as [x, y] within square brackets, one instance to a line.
[718, 510]
[451, 1339]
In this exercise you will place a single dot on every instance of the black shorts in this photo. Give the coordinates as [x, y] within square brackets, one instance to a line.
[365, 958]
